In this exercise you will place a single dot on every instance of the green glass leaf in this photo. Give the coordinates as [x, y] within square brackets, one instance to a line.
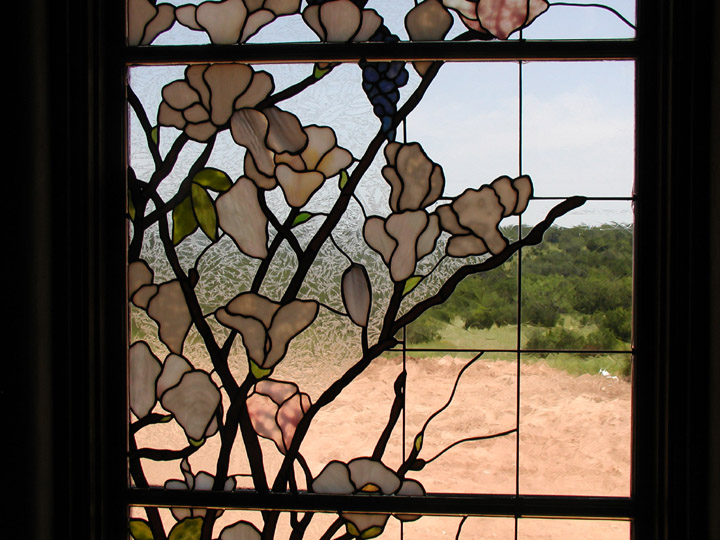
[155, 134]
[187, 529]
[343, 178]
[213, 179]
[372, 532]
[411, 283]
[184, 222]
[418, 465]
[302, 217]
[205, 213]
[352, 529]
[258, 372]
[165, 419]
[319, 73]
[196, 444]
[131, 207]
[418, 442]
[140, 530]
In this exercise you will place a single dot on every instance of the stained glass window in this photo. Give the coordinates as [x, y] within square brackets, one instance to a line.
[374, 289]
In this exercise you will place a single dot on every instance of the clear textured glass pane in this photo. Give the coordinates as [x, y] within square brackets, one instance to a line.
[577, 284]
[561, 529]
[575, 425]
[468, 122]
[578, 127]
[462, 528]
[577, 20]
[481, 314]
[461, 412]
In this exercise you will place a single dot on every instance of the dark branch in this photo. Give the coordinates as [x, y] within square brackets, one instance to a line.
[533, 238]
[396, 409]
[159, 454]
[137, 106]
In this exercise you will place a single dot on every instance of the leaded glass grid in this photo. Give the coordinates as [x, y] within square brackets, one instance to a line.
[294, 240]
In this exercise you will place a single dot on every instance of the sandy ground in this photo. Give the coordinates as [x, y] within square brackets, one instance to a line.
[574, 440]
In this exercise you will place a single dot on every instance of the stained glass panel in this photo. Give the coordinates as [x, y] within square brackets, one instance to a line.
[341, 276]
[337, 21]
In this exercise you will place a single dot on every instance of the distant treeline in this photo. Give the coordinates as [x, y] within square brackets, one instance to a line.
[576, 292]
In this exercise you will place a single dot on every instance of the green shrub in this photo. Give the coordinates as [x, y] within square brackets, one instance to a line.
[555, 338]
[617, 321]
[423, 330]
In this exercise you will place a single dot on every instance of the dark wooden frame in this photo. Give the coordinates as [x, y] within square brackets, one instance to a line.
[71, 343]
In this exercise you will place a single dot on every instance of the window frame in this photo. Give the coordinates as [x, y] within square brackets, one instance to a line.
[85, 352]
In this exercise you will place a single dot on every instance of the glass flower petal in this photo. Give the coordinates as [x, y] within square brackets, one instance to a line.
[249, 128]
[143, 296]
[169, 309]
[173, 369]
[285, 134]
[139, 274]
[365, 472]
[241, 530]
[289, 415]
[357, 294]
[222, 20]
[298, 187]
[406, 229]
[503, 17]
[253, 332]
[143, 369]
[242, 218]
[254, 305]
[227, 82]
[263, 411]
[334, 478]
[428, 21]
[275, 409]
[415, 181]
[193, 402]
[146, 21]
[180, 95]
[481, 211]
[341, 19]
[377, 238]
[289, 321]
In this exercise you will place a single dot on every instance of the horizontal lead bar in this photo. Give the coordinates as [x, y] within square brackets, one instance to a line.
[451, 505]
[515, 351]
[352, 52]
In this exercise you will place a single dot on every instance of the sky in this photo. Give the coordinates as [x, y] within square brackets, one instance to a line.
[576, 119]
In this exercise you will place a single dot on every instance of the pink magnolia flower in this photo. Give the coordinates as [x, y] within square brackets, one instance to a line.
[497, 17]
[275, 409]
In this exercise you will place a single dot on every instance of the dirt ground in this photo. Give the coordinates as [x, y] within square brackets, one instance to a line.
[574, 440]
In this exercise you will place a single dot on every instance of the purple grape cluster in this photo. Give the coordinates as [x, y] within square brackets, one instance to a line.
[381, 81]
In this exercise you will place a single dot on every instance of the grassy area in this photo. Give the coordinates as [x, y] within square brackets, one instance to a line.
[454, 336]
